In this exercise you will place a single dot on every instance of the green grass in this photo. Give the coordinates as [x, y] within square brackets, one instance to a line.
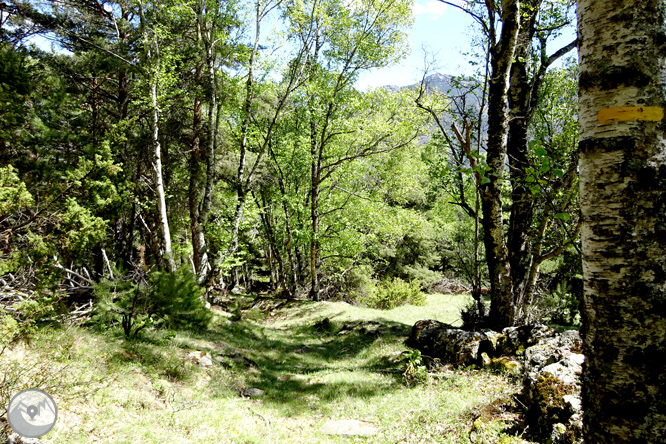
[110, 390]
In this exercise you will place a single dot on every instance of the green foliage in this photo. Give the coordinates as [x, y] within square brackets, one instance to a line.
[415, 370]
[177, 300]
[171, 300]
[14, 194]
[471, 318]
[15, 87]
[561, 306]
[9, 330]
[393, 293]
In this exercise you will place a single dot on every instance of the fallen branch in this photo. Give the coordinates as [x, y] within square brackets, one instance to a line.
[108, 265]
[268, 423]
[75, 274]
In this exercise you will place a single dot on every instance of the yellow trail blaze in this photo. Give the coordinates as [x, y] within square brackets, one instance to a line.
[624, 113]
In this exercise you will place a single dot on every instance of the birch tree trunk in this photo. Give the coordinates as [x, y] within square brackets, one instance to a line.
[159, 180]
[623, 203]
[213, 124]
[152, 56]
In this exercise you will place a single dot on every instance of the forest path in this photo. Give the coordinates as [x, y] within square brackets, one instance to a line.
[153, 390]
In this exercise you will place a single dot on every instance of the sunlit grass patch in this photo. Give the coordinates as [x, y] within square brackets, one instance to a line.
[149, 391]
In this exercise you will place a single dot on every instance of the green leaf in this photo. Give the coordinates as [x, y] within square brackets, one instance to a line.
[559, 173]
[540, 152]
[563, 216]
[484, 180]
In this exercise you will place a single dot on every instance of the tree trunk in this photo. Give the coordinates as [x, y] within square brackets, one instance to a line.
[213, 124]
[152, 58]
[623, 205]
[502, 309]
[314, 214]
[159, 182]
[522, 200]
[195, 178]
[241, 191]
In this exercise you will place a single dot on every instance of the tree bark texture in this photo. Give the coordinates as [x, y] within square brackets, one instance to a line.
[502, 309]
[523, 201]
[623, 203]
[158, 176]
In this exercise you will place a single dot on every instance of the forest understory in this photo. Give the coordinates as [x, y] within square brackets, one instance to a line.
[184, 387]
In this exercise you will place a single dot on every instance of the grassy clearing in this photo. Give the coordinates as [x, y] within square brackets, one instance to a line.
[109, 390]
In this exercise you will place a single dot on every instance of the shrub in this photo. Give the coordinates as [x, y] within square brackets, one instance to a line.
[472, 320]
[167, 299]
[177, 299]
[561, 306]
[9, 330]
[415, 370]
[425, 276]
[394, 293]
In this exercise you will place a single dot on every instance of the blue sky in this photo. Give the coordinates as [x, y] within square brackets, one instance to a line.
[444, 30]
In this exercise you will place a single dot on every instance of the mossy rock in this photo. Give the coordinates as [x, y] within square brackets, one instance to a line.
[506, 365]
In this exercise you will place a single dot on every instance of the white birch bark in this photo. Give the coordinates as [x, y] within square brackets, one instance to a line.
[623, 204]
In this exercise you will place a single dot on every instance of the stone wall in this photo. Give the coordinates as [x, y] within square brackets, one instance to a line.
[549, 363]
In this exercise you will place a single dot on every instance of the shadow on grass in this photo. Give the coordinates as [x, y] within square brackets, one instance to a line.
[299, 368]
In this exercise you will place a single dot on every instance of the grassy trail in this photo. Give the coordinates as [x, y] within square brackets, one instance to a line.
[154, 391]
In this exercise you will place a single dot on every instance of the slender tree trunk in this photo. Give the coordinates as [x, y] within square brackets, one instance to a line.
[314, 220]
[159, 182]
[213, 125]
[502, 309]
[241, 192]
[152, 57]
[194, 187]
[623, 205]
[315, 182]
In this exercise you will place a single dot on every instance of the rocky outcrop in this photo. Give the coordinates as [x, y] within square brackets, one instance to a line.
[552, 388]
[450, 345]
[460, 347]
[550, 363]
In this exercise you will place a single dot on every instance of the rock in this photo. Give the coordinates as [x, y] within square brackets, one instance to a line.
[552, 387]
[422, 329]
[200, 358]
[238, 290]
[493, 336]
[450, 345]
[206, 361]
[323, 325]
[253, 392]
[552, 350]
[575, 403]
[350, 427]
[505, 364]
[15, 438]
[515, 340]
[558, 433]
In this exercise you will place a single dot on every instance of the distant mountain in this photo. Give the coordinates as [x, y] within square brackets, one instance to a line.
[443, 83]
[453, 87]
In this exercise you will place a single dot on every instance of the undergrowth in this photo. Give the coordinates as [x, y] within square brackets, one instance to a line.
[153, 389]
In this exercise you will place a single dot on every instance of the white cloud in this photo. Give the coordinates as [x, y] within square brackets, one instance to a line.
[433, 8]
